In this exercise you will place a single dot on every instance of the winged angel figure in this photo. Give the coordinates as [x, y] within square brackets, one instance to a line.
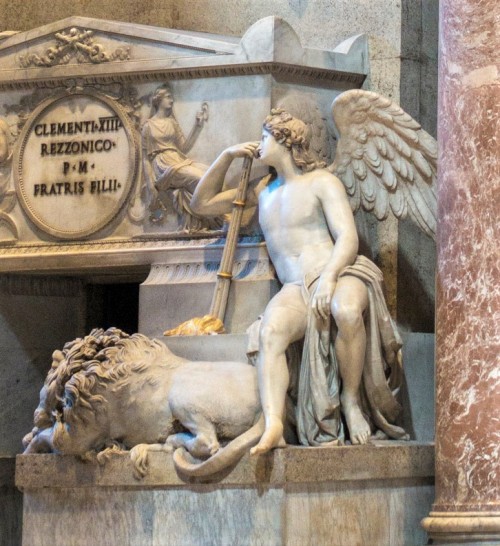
[331, 297]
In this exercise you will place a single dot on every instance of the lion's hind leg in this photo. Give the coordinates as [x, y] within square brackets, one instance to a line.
[201, 438]
[140, 457]
[201, 444]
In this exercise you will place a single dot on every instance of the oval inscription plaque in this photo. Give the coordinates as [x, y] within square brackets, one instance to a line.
[76, 164]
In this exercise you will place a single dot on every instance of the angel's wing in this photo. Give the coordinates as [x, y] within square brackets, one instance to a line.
[385, 159]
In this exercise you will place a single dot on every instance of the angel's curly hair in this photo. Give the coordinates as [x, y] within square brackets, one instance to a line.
[295, 135]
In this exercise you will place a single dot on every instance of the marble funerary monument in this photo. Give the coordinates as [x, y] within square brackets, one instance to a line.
[118, 143]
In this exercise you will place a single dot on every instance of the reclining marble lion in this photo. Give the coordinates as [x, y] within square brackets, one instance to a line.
[110, 391]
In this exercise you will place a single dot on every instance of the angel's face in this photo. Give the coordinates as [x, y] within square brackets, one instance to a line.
[270, 149]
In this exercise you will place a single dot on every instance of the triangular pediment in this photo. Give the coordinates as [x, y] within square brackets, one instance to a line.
[80, 40]
[81, 47]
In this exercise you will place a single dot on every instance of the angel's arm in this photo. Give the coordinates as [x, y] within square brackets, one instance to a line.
[340, 220]
[208, 198]
[332, 196]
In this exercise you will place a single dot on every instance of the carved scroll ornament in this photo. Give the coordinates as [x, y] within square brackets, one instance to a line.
[74, 43]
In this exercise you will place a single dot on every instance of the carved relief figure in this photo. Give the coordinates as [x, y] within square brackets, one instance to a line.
[74, 43]
[7, 195]
[308, 225]
[167, 168]
[4, 142]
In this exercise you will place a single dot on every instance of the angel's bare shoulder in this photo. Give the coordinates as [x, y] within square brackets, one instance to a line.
[326, 184]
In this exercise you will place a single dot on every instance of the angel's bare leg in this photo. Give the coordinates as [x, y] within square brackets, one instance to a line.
[349, 303]
[284, 322]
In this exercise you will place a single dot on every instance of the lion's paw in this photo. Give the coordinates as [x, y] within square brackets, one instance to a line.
[139, 455]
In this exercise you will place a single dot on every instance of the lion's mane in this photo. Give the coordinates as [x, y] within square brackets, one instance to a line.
[86, 366]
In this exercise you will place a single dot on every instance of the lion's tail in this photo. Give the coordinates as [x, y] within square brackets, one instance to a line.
[225, 457]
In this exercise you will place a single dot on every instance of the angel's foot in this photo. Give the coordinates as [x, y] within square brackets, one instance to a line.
[359, 429]
[272, 437]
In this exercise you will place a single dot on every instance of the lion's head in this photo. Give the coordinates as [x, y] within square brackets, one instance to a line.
[74, 390]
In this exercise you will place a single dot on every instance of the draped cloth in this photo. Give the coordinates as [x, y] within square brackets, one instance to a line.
[318, 416]
[163, 141]
[317, 392]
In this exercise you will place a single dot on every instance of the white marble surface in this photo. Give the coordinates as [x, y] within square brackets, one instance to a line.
[76, 164]
[122, 64]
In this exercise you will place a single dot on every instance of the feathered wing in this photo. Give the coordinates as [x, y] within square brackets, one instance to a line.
[385, 159]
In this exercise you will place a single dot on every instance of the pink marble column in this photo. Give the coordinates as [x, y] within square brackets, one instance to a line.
[467, 505]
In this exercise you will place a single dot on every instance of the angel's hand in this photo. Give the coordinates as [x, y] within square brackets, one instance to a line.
[322, 297]
[245, 149]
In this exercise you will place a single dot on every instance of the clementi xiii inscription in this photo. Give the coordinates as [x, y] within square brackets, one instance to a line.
[76, 165]
[77, 147]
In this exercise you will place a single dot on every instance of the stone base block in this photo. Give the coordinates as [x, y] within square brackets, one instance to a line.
[182, 289]
[372, 495]
[224, 347]
[417, 394]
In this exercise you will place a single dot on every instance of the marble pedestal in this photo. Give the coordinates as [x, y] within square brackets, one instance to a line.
[182, 286]
[348, 496]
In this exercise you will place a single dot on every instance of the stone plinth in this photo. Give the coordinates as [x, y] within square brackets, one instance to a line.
[296, 496]
[467, 505]
[226, 347]
[181, 287]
